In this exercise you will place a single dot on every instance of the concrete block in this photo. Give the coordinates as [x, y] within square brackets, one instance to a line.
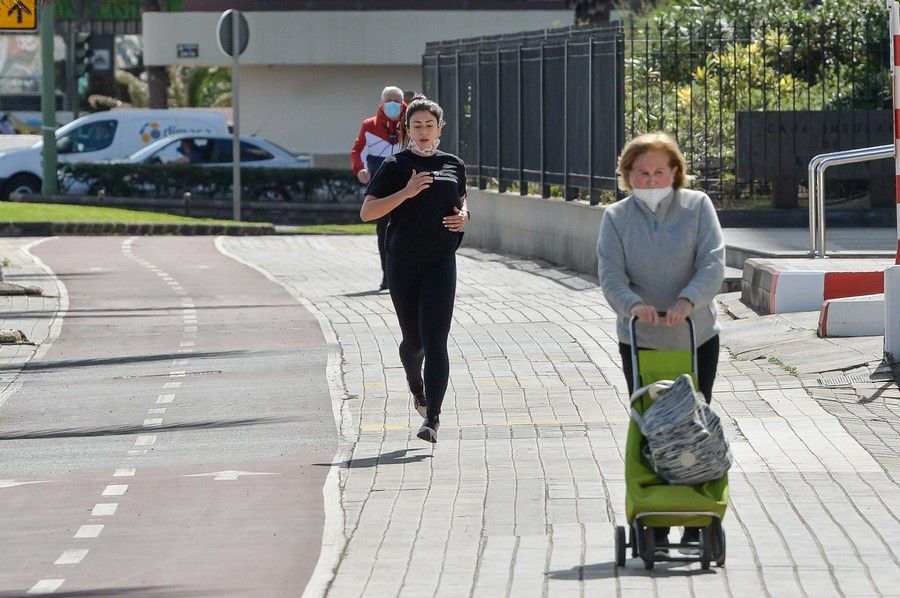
[892, 312]
[852, 316]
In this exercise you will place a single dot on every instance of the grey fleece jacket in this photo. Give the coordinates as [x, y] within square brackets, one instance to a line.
[657, 258]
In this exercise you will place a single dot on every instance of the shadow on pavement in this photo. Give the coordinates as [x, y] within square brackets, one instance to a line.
[143, 312]
[391, 458]
[131, 591]
[363, 293]
[138, 429]
[42, 366]
[636, 569]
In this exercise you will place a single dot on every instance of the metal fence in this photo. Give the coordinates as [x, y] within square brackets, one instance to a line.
[539, 109]
[749, 104]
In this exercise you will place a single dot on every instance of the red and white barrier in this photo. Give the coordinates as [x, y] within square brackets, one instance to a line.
[852, 316]
[806, 290]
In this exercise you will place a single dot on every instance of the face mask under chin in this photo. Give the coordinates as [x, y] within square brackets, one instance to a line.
[424, 150]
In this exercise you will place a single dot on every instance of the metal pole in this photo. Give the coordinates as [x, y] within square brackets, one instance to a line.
[895, 40]
[48, 100]
[235, 111]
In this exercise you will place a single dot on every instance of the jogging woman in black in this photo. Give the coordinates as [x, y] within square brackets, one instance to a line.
[424, 192]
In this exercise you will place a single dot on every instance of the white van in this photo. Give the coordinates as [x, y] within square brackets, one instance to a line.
[100, 137]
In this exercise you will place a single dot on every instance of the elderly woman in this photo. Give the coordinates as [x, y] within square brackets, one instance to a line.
[661, 250]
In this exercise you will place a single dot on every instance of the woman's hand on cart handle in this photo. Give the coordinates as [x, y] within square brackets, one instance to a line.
[678, 312]
[647, 313]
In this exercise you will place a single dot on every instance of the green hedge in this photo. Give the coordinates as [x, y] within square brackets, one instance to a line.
[306, 185]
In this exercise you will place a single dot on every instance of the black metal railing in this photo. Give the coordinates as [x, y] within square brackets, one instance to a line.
[534, 110]
[749, 103]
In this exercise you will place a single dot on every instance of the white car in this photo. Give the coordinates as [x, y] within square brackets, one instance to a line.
[204, 150]
[101, 137]
[216, 150]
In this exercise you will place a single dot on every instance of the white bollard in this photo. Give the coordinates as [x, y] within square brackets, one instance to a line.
[892, 312]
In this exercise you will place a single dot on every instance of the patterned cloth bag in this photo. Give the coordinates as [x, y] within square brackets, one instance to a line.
[685, 442]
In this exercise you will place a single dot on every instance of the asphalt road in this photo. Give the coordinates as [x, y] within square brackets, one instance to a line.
[173, 440]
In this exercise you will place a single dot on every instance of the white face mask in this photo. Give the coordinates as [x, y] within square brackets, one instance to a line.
[424, 150]
[652, 197]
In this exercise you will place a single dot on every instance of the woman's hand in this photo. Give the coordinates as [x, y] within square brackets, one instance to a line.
[418, 182]
[645, 313]
[457, 221]
[678, 312]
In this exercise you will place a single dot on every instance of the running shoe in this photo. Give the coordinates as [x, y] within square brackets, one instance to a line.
[428, 431]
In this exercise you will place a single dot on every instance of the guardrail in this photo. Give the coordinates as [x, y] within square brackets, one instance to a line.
[817, 167]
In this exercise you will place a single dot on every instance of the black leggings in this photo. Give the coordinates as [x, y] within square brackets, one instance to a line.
[707, 364]
[423, 291]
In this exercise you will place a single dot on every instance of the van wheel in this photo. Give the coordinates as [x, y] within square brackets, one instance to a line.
[24, 184]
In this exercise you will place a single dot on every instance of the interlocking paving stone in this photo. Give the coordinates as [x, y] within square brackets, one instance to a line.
[520, 495]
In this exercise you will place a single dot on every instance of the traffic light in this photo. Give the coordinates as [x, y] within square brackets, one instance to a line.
[83, 53]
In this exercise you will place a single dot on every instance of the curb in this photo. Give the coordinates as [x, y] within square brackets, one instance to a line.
[45, 229]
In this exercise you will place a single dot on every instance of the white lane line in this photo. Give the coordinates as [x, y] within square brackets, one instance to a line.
[46, 586]
[145, 440]
[71, 557]
[177, 374]
[188, 343]
[124, 472]
[115, 490]
[172, 385]
[152, 421]
[89, 531]
[185, 350]
[188, 310]
[163, 399]
[158, 411]
[136, 453]
[190, 328]
[104, 509]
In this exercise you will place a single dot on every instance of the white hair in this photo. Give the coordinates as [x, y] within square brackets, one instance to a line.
[390, 89]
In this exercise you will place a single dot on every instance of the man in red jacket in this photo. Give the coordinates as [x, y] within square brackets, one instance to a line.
[379, 137]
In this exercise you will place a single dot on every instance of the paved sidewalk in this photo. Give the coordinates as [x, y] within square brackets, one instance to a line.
[520, 496]
[16, 311]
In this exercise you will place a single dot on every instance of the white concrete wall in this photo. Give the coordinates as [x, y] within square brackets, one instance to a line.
[309, 77]
[316, 109]
[333, 37]
[561, 232]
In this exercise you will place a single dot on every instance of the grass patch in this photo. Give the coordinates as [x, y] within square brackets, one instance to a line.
[45, 212]
[362, 228]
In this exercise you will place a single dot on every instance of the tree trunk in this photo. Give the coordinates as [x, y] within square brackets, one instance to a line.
[157, 77]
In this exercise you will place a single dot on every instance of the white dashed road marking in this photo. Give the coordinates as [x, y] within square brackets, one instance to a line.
[115, 490]
[151, 422]
[124, 472]
[171, 385]
[164, 399]
[71, 557]
[104, 509]
[46, 586]
[146, 440]
[89, 531]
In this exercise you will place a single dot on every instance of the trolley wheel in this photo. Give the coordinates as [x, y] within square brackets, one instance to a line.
[718, 542]
[706, 548]
[620, 546]
[648, 548]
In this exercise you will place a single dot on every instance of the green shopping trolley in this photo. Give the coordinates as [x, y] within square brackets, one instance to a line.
[650, 501]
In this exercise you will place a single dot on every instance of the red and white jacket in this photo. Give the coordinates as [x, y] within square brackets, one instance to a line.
[379, 137]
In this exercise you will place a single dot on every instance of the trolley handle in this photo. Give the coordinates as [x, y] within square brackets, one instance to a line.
[634, 348]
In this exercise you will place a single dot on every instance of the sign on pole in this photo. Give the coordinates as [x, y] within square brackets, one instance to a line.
[233, 33]
[18, 15]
